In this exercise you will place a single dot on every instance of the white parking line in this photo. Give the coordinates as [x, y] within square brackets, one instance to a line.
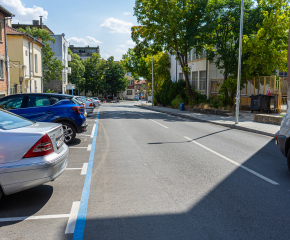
[79, 147]
[71, 223]
[93, 131]
[89, 147]
[15, 219]
[73, 169]
[236, 163]
[158, 123]
[84, 169]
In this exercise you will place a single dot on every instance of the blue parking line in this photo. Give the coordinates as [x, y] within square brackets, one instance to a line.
[82, 214]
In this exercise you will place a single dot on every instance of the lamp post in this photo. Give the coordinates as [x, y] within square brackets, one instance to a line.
[239, 64]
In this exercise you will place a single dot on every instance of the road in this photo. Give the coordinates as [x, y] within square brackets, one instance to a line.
[155, 176]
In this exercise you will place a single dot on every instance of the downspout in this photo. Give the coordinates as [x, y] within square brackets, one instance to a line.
[30, 63]
[6, 58]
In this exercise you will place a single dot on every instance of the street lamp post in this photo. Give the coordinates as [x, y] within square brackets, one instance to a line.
[239, 64]
[152, 80]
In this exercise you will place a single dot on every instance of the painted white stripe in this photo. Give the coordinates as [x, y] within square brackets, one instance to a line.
[79, 147]
[73, 169]
[89, 147]
[84, 135]
[15, 219]
[158, 123]
[93, 131]
[71, 223]
[84, 169]
[236, 163]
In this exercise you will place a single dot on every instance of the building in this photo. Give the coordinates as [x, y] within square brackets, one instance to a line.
[84, 52]
[130, 92]
[141, 88]
[202, 74]
[35, 23]
[60, 49]
[25, 58]
[4, 68]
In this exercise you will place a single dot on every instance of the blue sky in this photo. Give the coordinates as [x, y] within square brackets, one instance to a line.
[104, 23]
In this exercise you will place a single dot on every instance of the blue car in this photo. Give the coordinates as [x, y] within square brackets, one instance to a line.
[49, 107]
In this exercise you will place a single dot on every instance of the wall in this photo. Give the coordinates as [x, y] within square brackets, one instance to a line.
[3, 81]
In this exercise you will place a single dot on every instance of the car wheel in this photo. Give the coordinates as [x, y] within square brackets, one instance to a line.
[1, 193]
[69, 132]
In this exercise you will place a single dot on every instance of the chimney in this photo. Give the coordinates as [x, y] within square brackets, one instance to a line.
[41, 26]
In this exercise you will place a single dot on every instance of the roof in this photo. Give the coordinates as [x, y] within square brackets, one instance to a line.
[19, 25]
[140, 82]
[6, 12]
[12, 31]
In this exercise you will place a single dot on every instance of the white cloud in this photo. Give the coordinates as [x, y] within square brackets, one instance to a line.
[81, 42]
[120, 51]
[129, 44]
[23, 14]
[114, 25]
[105, 55]
[126, 13]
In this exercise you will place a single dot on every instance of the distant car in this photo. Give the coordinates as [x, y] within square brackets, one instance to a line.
[88, 105]
[49, 107]
[31, 153]
[96, 101]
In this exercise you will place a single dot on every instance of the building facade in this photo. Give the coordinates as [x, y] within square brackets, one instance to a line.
[60, 49]
[130, 92]
[35, 23]
[84, 52]
[25, 58]
[4, 67]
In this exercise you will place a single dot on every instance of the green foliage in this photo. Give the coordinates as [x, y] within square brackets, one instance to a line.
[52, 67]
[175, 103]
[199, 98]
[49, 91]
[172, 25]
[267, 48]
[115, 81]
[77, 70]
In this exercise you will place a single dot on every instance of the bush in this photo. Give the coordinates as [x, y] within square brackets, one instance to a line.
[175, 103]
[199, 98]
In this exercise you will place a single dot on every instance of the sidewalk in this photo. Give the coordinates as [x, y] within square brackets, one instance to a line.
[245, 120]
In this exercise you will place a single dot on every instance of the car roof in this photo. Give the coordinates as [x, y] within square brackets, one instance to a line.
[44, 94]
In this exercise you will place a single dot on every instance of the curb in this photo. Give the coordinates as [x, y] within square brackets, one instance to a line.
[233, 126]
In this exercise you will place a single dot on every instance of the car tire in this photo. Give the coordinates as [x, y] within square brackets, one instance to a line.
[69, 132]
[1, 193]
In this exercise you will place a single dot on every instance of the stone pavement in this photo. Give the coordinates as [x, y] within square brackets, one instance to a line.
[245, 120]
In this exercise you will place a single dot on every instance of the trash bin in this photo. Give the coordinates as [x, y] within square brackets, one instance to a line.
[182, 107]
[260, 102]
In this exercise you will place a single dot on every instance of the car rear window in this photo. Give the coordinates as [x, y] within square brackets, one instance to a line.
[9, 121]
[76, 101]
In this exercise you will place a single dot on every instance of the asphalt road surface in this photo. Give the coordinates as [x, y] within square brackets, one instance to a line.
[140, 174]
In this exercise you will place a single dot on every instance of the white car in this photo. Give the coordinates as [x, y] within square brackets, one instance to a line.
[283, 138]
[96, 101]
[89, 106]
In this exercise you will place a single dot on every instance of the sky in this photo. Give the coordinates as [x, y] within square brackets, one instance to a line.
[103, 23]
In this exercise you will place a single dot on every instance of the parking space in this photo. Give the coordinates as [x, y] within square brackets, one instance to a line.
[49, 211]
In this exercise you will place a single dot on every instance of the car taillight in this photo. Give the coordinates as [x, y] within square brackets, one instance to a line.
[77, 109]
[89, 100]
[91, 104]
[41, 148]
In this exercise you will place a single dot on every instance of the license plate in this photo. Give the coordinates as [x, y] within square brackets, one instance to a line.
[59, 142]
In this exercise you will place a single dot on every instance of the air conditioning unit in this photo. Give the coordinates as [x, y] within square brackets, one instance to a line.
[68, 58]
[68, 70]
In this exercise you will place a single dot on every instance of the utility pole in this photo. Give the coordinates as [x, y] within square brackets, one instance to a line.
[152, 80]
[239, 65]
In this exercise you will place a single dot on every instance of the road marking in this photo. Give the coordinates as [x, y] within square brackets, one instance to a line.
[89, 147]
[84, 169]
[15, 219]
[71, 223]
[158, 123]
[84, 135]
[93, 131]
[73, 169]
[82, 214]
[236, 163]
[80, 147]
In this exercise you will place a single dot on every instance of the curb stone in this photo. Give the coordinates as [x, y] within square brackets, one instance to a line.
[233, 126]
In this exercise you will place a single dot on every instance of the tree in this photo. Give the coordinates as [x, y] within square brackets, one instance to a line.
[52, 67]
[267, 49]
[115, 81]
[173, 25]
[77, 70]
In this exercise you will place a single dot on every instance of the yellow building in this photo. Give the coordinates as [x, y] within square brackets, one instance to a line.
[25, 60]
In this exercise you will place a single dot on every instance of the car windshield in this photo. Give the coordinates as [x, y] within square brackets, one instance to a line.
[9, 121]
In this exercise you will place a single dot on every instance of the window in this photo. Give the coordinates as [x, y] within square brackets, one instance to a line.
[82, 50]
[55, 100]
[26, 53]
[202, 80]
[194, 80]
[38, 101]
[11, 103]
[10, 121]
[189, 56]
[35, 85]
[35, 63]
[1, 69]
[92, 51]
[180, 76]
[129, 92]
[194, 54]
[30, 64]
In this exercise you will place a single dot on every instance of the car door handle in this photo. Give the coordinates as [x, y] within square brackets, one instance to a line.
[49, 112]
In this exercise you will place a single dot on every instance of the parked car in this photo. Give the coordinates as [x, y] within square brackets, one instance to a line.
[88, 105]
[96, 101]
[283, 138]
[49, 107]
[31, 153]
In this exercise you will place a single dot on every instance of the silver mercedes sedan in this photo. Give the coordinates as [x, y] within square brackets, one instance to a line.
[31, 153]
